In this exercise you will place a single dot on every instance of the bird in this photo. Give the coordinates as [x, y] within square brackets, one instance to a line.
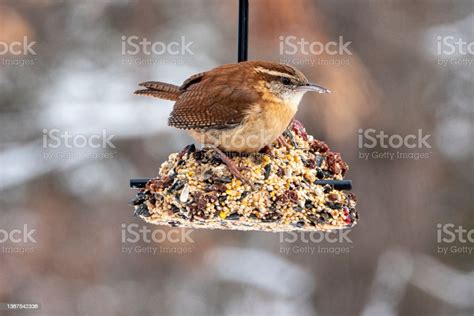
[241, 107]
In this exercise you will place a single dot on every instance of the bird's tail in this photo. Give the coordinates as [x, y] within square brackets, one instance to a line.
[159, 90]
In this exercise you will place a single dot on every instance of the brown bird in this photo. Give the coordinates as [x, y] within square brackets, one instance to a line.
[235, 107]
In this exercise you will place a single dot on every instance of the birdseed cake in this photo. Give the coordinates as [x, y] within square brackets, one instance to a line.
[195, 189]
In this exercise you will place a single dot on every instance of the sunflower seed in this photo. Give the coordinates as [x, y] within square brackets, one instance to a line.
[137, 200]
[207, 175]
[224, 179]
[142, 210]
[233, 216]
[243, 195]
[299, 224]
[319, 160]
[268, 169]
[184, 194]
[298, 208]
[177, 185]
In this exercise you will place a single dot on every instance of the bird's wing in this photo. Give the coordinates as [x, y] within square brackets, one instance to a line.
[217, 107]
[192, 80]
[216, 76]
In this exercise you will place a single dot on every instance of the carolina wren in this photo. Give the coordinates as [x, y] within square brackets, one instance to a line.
[235, 107]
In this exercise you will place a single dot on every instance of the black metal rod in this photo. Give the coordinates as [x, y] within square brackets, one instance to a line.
[243, 30]
[138, 183]
[338, 184]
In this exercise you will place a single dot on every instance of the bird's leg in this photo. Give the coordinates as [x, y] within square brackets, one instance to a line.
[282, 142]
[232, 166]
[231, 154]
[186, 150]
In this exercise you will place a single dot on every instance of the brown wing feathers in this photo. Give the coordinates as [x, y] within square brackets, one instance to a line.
[218, 108]
[196, 110]
[206, 100]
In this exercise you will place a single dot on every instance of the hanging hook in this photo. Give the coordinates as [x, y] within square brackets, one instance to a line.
[243, 30]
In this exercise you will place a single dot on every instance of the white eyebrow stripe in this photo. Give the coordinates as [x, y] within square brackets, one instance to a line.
[274, 73]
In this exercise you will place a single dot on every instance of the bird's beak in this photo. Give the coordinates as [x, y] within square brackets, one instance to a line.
[313, 87]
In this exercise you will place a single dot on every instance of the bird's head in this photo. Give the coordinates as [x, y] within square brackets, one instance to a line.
[283, 83]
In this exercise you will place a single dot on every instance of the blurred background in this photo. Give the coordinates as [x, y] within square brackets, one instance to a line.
[72, 135]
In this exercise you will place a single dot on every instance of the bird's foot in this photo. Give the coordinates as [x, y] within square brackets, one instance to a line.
[233, 167]
[282, 142]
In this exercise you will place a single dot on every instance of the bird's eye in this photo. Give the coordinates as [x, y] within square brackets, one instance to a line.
[286, 81]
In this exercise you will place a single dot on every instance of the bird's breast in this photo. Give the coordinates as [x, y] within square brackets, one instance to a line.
[263, 123]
